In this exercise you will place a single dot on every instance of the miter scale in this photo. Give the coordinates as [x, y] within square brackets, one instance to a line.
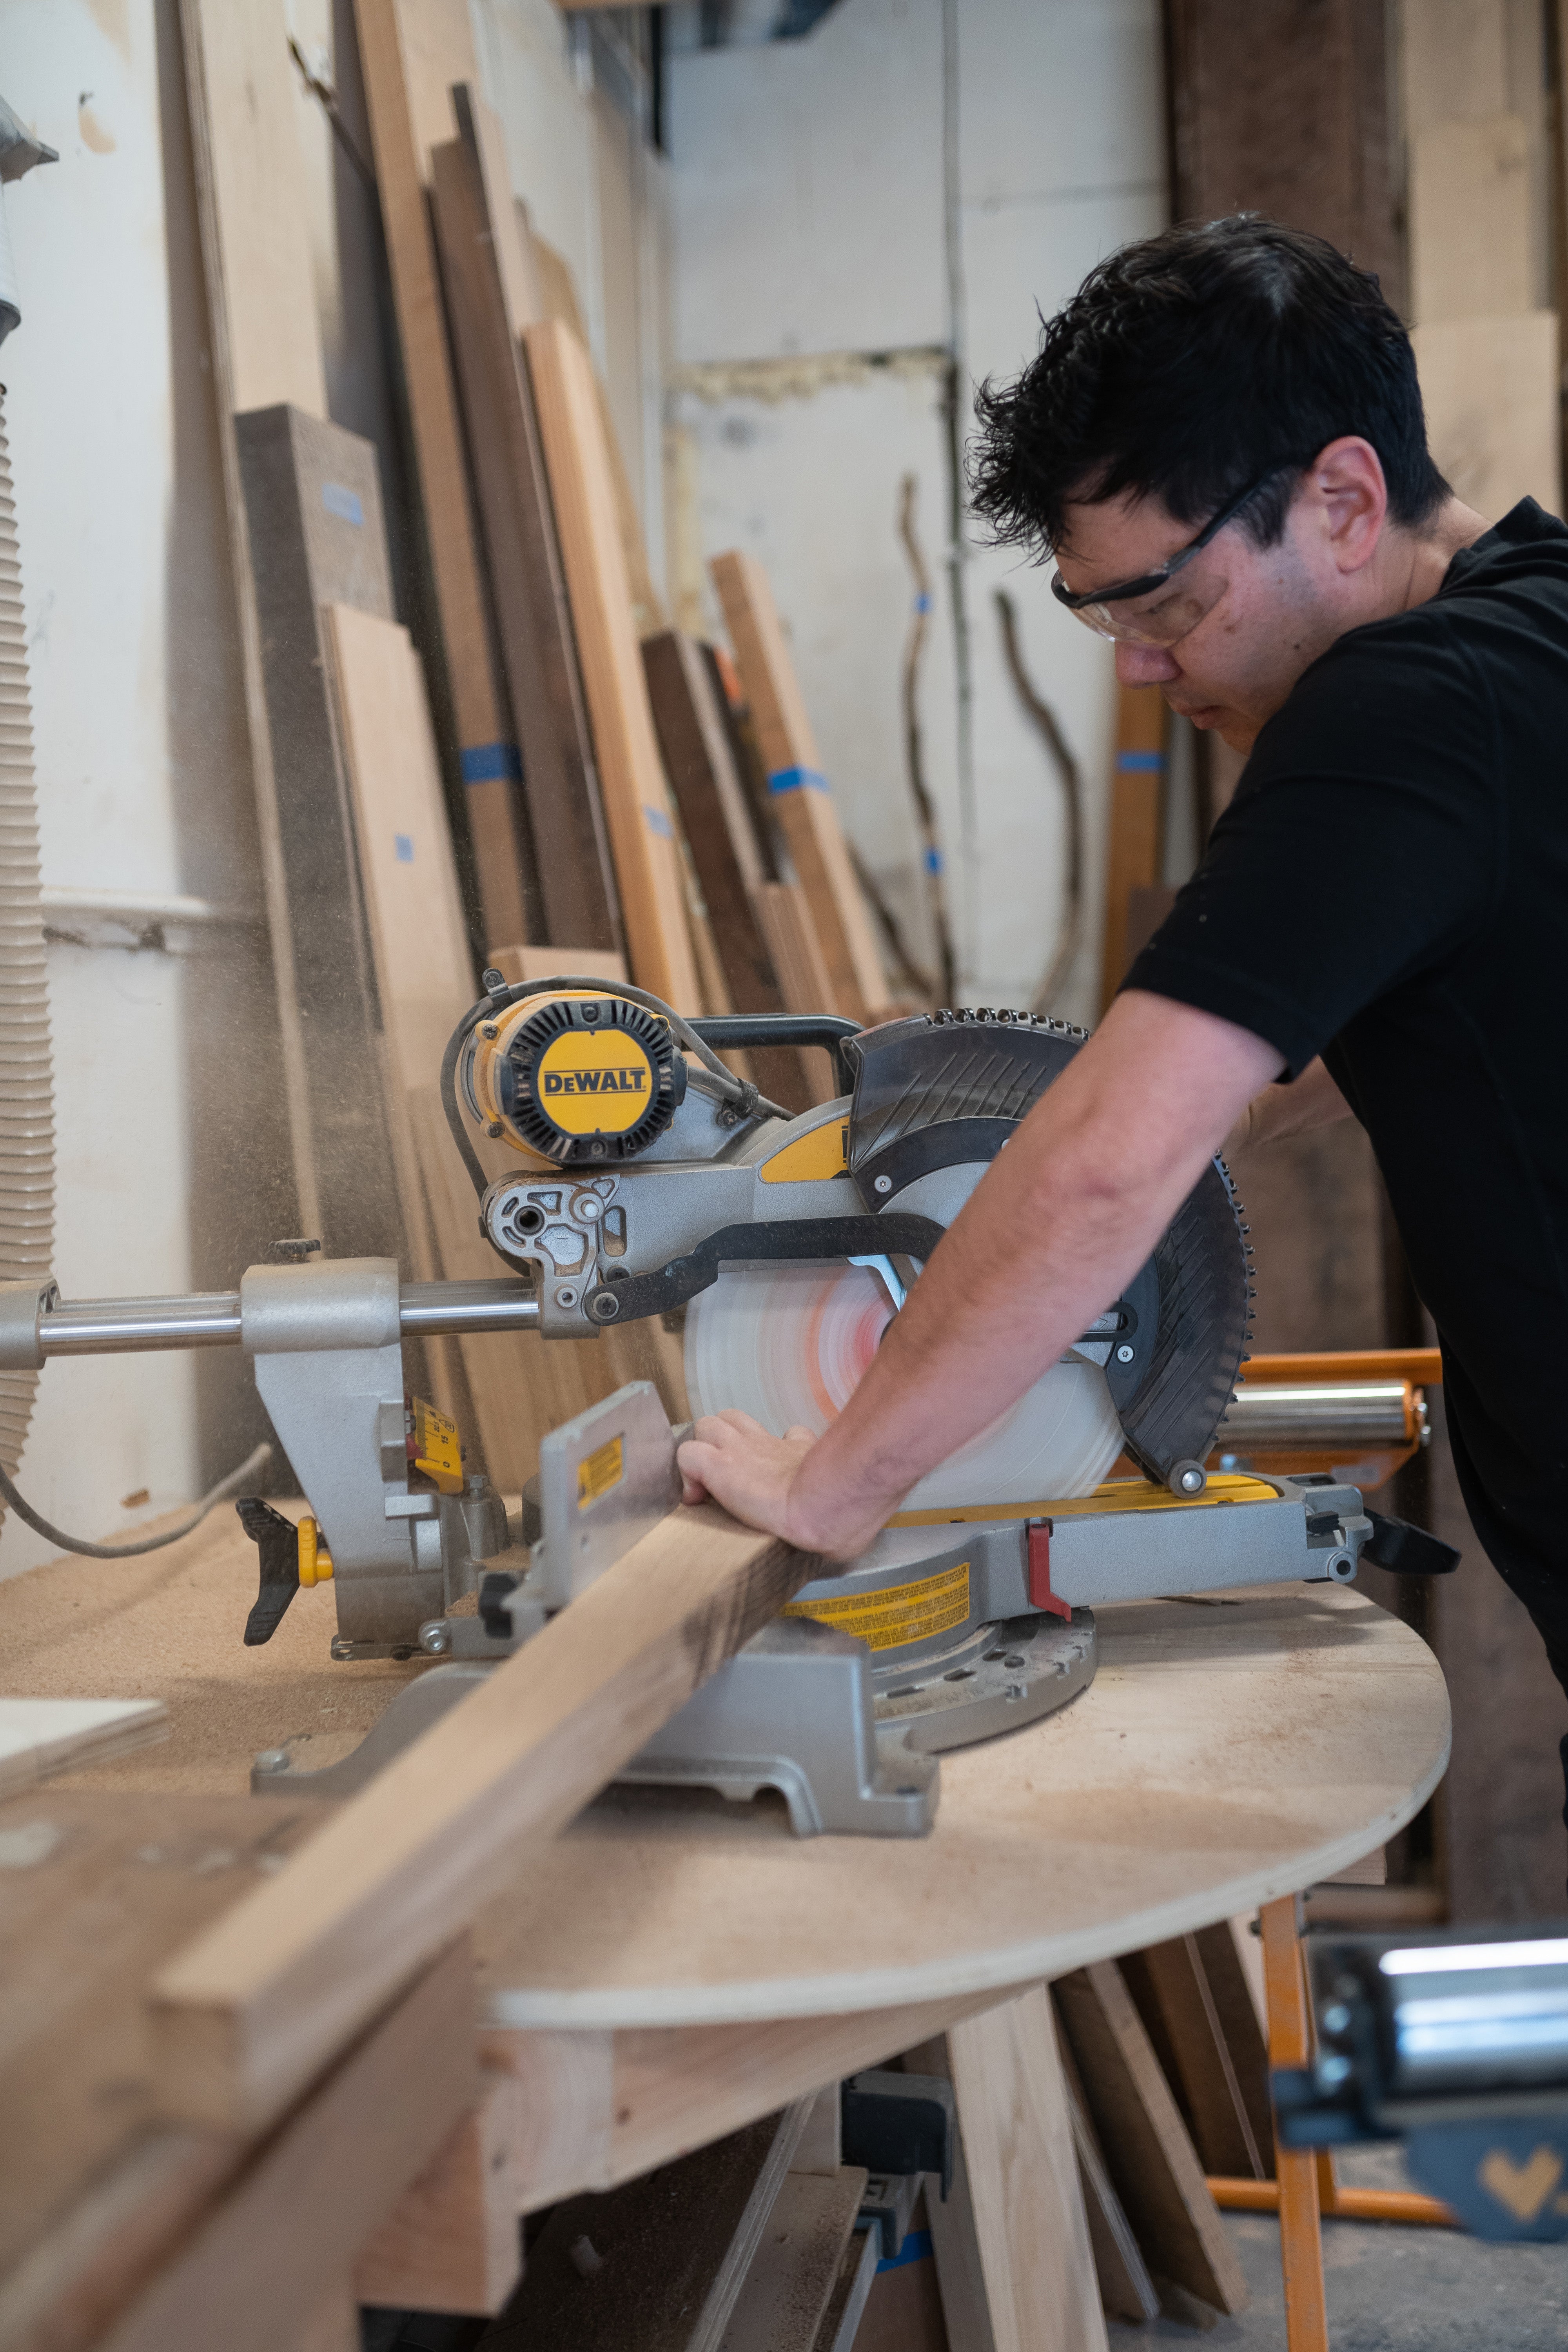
[633, 1175]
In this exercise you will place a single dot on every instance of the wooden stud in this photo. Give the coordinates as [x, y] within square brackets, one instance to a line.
[487, 744]
[453, 2242]
[806, 815]
[1137, 806]
[276, 2248]
[560, 781]
[637, 805]
[1126, 2290]
[1290, 2044]
[1033, 2235]
[246, 2018]
[1147, 2150]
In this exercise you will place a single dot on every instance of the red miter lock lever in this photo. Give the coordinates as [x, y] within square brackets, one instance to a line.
[1040, 1593]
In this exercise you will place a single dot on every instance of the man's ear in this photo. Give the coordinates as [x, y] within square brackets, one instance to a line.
[1345, 485]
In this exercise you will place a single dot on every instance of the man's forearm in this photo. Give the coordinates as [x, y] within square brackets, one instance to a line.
[1061, 1222]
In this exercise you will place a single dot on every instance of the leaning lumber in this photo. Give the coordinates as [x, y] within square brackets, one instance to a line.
[486, 747]
[559, 783]
[1169, 1988]
[806, 811]
[1148, 2152]
[637, 803]
[247, 2018]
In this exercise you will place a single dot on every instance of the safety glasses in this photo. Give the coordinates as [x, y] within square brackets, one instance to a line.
[1169, 607]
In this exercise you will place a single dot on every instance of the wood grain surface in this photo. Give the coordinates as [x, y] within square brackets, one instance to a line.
[247, 2019]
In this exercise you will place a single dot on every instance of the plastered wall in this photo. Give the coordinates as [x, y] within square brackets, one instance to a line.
[907, 180]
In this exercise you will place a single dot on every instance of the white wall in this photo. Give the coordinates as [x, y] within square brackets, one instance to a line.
[811, 217]
[143, 778]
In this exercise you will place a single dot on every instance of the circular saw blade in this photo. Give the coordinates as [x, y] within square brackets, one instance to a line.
[788, 1341]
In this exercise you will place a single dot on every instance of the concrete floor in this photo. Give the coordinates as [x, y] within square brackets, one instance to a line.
[1392, 2289]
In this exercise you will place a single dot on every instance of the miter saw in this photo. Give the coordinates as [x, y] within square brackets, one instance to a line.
[633, 1175]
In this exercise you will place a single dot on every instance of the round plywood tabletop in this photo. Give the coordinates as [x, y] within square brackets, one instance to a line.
[1228, 1750]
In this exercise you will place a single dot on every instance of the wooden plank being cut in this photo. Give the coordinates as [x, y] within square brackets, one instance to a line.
[1147, 2150]
[1137, 816]
[1169, 1985]
[718, 825]
[487, 742]
[806, 811]
[636, 803]
[559, 781]
[42, 1736]
[658, 2262]
[247, 2018]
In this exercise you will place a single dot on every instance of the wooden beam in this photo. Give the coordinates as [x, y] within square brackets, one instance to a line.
[1290, 2044]
[1169, 1985]
[247, 2018]
[561, 784]
[637, 803]
[801, 800]
[487, 742]
[276, 2246]
[1148, 2150]
[454, 2242]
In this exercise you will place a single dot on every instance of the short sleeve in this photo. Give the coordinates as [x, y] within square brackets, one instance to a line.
[1365, 843]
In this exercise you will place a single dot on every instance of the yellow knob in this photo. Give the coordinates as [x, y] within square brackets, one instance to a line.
[315, 1560]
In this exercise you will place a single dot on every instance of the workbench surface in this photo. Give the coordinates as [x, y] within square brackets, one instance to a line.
[1230, 1750]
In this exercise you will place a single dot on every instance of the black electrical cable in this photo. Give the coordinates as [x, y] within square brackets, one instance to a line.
[249, 1469]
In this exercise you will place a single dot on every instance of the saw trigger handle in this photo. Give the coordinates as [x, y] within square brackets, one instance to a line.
[278, 1541]
[1405, 1550]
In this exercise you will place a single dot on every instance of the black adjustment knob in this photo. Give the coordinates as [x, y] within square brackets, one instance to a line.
[296, 1250]
[278, 1541]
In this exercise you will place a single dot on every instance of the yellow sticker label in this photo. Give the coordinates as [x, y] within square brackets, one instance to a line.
[810, 1158]
[599, 1471]
[594, 1081]
[437, 1449]
[897, 1614]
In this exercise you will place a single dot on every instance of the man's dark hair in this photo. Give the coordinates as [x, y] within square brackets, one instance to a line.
[1184, 367]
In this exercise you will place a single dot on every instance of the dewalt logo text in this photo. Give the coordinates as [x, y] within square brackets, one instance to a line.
[595, 1082]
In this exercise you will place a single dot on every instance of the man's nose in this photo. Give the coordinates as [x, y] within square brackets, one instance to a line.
[1144, 664]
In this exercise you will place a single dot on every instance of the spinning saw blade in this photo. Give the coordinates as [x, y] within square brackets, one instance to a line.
[935, 1099]
[790, 1342]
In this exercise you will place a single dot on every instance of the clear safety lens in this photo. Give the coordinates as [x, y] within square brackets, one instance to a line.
[1159, 620]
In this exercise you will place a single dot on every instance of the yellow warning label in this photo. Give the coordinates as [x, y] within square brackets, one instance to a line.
[599, 1471]
[897, 1614]
[437, 1449]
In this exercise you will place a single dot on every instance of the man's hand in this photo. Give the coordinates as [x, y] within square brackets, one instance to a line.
[732, 1458]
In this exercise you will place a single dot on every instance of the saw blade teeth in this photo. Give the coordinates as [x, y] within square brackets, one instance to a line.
[788, 1342]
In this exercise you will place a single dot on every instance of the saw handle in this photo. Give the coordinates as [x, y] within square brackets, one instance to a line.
[1405, 1550]
[278, 1541]
[723, 1031]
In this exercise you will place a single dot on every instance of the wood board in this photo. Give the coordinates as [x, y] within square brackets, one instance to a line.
[486, 741]
[804, 809]
[718, 825]
[1489, 389]
[635, 800]
[560, 781]
[1137, 820]
[1126, 2290]
[1169, 1988]
[1148, 2151]
[258, 2006]
[784, 2297]
[42, 1737]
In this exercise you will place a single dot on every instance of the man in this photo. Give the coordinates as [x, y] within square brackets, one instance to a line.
[1221, 442]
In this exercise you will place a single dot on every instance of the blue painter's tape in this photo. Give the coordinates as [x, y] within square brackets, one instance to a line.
[933, 861]
[923, 603]
[489, 763]
[1140, 762]
[404, 844]
[795, 780]
[659, 822]
[916, 2248]
[343, 503]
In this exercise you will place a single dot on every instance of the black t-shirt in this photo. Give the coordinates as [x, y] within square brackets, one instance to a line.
[1389, 889]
